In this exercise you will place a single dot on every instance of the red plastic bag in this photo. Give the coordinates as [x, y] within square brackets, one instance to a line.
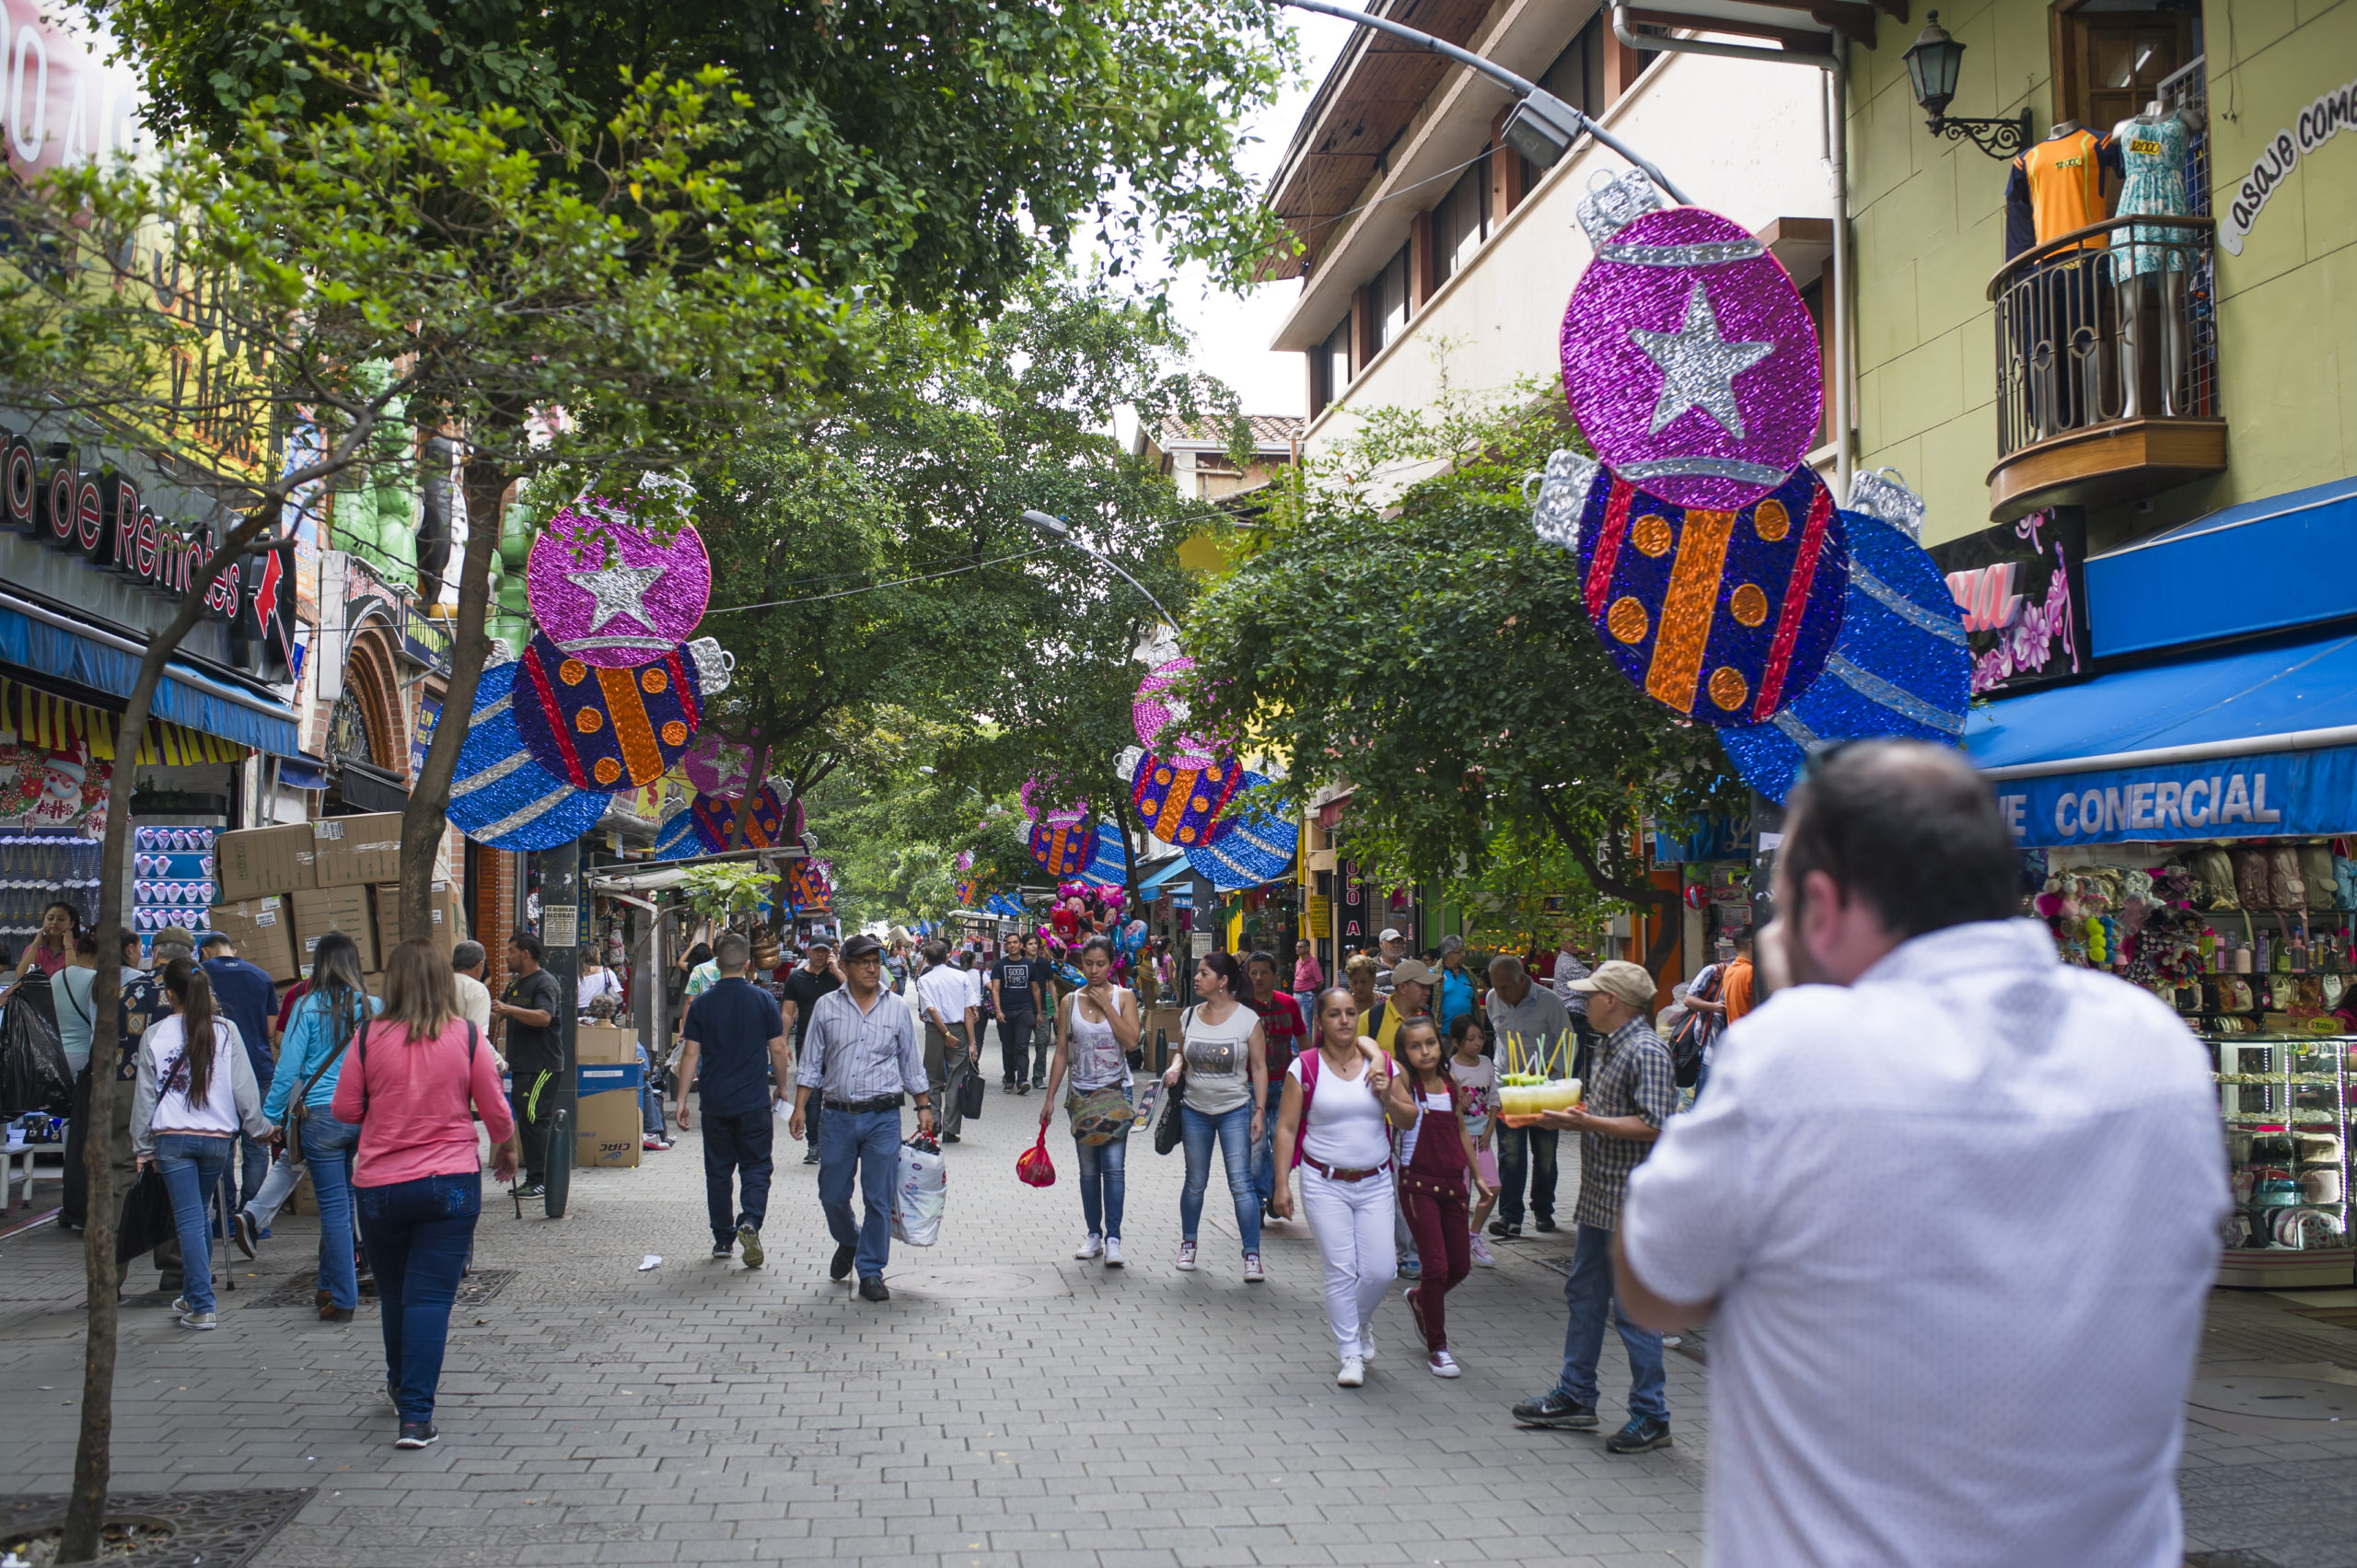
[1033, 1166]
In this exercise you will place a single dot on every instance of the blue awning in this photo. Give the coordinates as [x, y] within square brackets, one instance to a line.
[183, 696]
[2263, 566]
[1171, 870]
[303, 772]
[2261, 741]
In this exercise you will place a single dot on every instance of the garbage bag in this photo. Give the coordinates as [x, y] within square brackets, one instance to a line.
[919, 1192]
[33, 1073]
[147, 1217]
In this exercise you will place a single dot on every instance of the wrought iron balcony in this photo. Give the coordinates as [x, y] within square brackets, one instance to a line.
[2107, 365]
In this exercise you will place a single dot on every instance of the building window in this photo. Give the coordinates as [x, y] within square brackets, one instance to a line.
[2112, 56]
[1577, 74]
[1329, 367]
[1390, 300]
[1461, 222]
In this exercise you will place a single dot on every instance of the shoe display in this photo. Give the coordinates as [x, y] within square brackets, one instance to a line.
[198, 1320]
[1091, 1246]
[1186, 1257]
[1482, 1256]
[1352, 1375]
[840, 1268]
[873, 1288]
[1253, 1274]
[244, 1232]
[1556, 1411]
[1643, 1434]
[1444, 1364]
[749, 1246]
[1112, 1251]
[416, 1434]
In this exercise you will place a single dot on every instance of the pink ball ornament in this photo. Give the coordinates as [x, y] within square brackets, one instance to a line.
[717, 767]
[608, 593]
[1154, 712]
[1690, 361]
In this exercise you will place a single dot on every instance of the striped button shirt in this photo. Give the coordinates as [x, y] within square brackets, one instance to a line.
[1634, 1077]
[852, 1056]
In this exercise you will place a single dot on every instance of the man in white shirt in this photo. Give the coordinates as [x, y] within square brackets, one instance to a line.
[1954, 1207]
[950, 1000]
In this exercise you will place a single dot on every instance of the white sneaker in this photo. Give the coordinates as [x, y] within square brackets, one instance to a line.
[180, 1306]
[1252, 1272]
[1366, 1345]
[1112, 1251]
[1482, 1253]
[1186, 1257]
[1091, 1246]
[1445, 1365]
[1352, 1375]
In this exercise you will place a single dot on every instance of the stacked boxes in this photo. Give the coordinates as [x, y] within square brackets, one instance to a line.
[255, 861]
[319, 911]
[608, 1130]
[283, 889]
[355, 851]
[263, 932]
[445, 913]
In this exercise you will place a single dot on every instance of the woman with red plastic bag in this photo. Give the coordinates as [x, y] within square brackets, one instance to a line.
[1096, 1027]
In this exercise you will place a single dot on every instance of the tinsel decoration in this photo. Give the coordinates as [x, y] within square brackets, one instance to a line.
[610, 595]
[1109, 863]
[1061, 848]
[716, 820]
[600, 727]
[1724, 617]
[1035, 795]
[500, 795]
[717, 767]
[1690, 361]
[1253, 845]
[1178, 805]
[682, 836]
[1157, 715]
[1901, 668]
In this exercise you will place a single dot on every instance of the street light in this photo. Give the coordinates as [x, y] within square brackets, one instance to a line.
[1055, 529]
[1542, 127]
[1932, 67]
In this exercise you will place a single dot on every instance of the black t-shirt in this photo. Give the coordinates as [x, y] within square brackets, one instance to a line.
[732, 1024]
[532, 1051]
[804, 989]
[1015, 977]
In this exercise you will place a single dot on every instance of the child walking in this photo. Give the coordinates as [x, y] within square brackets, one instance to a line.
[1477, 1080]
[1435, 1156]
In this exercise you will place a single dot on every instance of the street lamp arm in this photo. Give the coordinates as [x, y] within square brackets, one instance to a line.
[1531, 92]
[1058, 530]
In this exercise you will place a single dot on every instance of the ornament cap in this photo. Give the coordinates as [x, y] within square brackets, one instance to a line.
[1883, 494]
[1562, 496]
[1614, 200]
[714, 664]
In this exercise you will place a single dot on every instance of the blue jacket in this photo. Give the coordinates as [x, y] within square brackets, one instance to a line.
[311, 1040]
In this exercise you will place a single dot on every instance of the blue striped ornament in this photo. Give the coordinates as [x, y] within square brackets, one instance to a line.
[1250, 847]
[1109, 866]
[682, 836]
[1899, 669]
[500, 797]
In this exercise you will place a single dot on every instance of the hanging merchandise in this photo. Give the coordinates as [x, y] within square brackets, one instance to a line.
[602, 728]
[1252, 845]
[1061, 848]
[1156, 712]
[1902, 667]
[1689, 358]
[500, 797]
[717, 821]
[1178, 805]
[718, 768]
[1724, 617]
[610, 595]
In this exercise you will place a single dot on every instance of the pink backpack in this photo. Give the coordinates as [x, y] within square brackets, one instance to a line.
[1308, 1060]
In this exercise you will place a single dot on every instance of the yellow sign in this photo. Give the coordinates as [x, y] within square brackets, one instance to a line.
[1318, 916]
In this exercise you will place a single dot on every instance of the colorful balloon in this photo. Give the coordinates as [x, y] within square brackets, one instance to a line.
[610, 595]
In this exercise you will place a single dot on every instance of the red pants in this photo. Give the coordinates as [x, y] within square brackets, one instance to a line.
[1438, 1218]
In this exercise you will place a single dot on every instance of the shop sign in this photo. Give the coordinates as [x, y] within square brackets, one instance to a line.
[2022, 589]
[2272, 795]
[2314, 126]
[1702, 838]
[1317, 914]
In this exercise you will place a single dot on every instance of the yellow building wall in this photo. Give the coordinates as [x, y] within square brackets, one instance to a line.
[1928, 228]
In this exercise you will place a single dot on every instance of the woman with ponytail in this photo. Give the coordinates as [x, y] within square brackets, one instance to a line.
[196, 1093]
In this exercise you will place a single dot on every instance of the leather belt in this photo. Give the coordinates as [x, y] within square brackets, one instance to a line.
[882, 1102]
[1334, 1173]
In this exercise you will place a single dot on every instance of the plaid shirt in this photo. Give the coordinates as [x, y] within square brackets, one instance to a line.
[1634, 1077]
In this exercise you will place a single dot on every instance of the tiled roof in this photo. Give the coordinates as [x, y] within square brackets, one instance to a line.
[1270, 431]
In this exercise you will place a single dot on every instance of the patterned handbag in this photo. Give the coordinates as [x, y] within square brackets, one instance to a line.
[1100, 1115]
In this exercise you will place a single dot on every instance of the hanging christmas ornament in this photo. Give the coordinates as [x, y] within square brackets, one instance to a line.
[1901, 668]
[717, 821]
[610, 595]
[1177, 805]
[1253, 844]
[1060, 848]
[500, 795]
[1035, 794]
[682, 835]
[1158, 713]
[1108, 861]
[1688, 359]
[1722, 616]
[599, 727]
[717, 767]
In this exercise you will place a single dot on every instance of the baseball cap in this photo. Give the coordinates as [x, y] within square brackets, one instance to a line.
[1390, 934]
[860, 945]
[180, 934]
[1411, 971]
[824, 940]
[1619, 977]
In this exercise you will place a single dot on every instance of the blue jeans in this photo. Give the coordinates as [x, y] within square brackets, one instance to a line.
[1102, 1183]
[193, 1168]
[419, 1234]
[1525, 1150]
[327, 1154]
[864, 1144]
[1233, 1130]
[650, 1097]
[736, 1152]
[1588, 1291]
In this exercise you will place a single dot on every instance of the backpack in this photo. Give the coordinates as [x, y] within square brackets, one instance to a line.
[2251, 891]
[1694, 1031]
[2213, 874]
[2286, 889]
[2317, 871]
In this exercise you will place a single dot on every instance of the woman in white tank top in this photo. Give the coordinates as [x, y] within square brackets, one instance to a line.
[1096, 1027]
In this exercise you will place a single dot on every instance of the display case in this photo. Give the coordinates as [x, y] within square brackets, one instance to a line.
[2285, 1100]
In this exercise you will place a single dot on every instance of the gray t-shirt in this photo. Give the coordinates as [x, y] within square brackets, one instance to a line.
[1219, 1060]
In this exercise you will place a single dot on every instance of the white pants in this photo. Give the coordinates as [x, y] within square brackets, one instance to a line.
[1351, 1220]
[277, 1185]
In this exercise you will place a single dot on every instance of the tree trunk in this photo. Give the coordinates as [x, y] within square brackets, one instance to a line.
[423, 822]
[93, 1454]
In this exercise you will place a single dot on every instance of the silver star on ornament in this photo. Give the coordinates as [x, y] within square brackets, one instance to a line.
[619, 590]
[1698, 367]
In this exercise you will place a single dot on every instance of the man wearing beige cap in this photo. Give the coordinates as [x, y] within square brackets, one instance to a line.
[1621, 1114]
[1412, 996]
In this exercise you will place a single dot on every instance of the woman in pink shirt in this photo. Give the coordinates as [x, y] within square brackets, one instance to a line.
[421, 1075]
[53, 948]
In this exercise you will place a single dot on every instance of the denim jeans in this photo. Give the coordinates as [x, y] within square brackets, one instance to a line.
[327, 1150]
[194, 1167]
[419, 1234]
[1233, 1130]
[1014, 1037]
[1588, 1291]
[864, 1144]
[1103, 1182]
[1043, 1051]
[1264, 1154]
[737, 1153]
[1525, 1150]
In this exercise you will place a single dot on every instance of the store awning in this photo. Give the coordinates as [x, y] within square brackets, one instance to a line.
[44, 719]
[2263, 566]
[38, 639]
[2260, 741]
[1175, 869]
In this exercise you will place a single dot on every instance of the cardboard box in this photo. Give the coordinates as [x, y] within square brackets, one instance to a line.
[322, 910]
[445, 910]
[609, 1128]
[254, 863]
[263, 933]
[351, 851]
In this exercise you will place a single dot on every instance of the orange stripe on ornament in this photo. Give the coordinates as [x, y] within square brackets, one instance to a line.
[1687, 607]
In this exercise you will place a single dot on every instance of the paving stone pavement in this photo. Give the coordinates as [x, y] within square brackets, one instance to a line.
[1009, 1406]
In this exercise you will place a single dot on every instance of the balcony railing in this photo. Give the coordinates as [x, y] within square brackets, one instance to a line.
[2107, 365]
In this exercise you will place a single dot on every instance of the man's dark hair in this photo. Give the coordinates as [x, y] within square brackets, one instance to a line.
[1263, 956]
[1908, 828]
[936, 953]
[530, 944]
[730, 951]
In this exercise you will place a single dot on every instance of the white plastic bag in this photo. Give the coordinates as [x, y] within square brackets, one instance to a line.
[918, 1193]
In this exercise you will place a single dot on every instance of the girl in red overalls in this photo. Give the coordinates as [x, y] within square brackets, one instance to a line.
[1436, 1158]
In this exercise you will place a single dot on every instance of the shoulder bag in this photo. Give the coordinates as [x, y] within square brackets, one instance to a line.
[1167, 1128]
[291, 1130]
